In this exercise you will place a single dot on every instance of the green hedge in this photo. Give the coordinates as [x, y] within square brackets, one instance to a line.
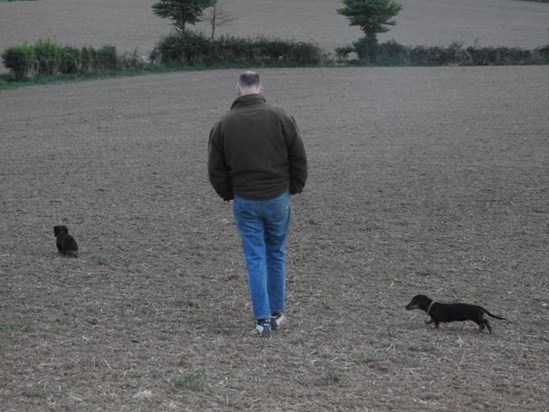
[20, 60]
[190, 47]
[46, 58]
[393, 53]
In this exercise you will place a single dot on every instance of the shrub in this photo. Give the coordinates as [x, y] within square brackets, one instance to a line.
[231, 49]
[542, 52]
[366, 49]
[49, 56]
[88, 59]
[131, 61]
[181, 47]
[106, 59]
[304, 53]
[392, 53]
[21, 60]
[342, 53]
[428, 56]
[499, 55]
[70, 61]
[46, 58]
[190, 47]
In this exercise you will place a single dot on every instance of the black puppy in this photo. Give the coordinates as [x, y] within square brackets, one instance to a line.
[66, 245]
[450, 312]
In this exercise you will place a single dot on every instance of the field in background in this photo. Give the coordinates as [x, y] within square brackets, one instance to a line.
[130, 24]
[422, 180]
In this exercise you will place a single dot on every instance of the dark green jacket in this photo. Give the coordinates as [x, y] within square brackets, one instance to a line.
[256, 152]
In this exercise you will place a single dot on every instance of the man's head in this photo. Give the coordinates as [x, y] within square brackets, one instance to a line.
[248, 83]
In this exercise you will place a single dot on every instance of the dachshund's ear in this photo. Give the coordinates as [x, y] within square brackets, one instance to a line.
[56, 230]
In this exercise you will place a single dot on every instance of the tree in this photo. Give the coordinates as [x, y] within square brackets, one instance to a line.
[373, 17]
[216, 16]
[182, 12]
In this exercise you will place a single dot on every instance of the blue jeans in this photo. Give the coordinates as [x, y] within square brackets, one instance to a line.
[263, 227]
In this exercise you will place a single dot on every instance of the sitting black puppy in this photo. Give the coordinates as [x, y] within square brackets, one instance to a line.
[66, 245]
[450, 312]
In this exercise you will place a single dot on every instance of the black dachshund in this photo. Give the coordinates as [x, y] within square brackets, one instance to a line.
[66, 245]
[451, 312]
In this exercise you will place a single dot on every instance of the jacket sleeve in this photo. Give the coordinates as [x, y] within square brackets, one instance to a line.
[218, 170]
[297, 158]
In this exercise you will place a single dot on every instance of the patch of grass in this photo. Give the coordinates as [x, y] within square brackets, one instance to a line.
[222, 330]
[204, 292]
[8, 83]
[146, 309]
[14, 326]
[101, 259]
[366, 357]
[430, 270]
[333, 376]
[191, 380]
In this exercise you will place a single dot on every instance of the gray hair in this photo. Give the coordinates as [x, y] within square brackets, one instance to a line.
[248, 80]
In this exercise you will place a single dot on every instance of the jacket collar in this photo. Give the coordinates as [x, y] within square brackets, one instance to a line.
[247, 100]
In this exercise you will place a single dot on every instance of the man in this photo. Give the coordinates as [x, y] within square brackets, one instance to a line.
[256, 157]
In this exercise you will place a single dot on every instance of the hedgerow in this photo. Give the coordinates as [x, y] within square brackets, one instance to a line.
[47, 58]
[190, 48]
[392, 53]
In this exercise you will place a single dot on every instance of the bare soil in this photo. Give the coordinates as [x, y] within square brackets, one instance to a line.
[422, 180]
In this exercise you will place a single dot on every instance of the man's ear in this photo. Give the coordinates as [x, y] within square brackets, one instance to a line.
[261, 89]
[238, 91]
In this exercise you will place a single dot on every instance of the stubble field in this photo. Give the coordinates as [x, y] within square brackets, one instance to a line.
[422, 180]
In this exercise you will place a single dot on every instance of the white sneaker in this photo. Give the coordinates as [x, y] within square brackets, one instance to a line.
[278, 320]
[263, 328]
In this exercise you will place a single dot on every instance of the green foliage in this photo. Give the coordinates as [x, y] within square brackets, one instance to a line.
[97, 60]
[542, 52]
[14, 326]
[101, 260]
[181, 47]
[333, 376]
[69, 61]
[390, 52]
[48, 55]
[47, 62]
[21, 60]
[367, 49]
[342, 53]
[191, 380]
[394, 54]
[373, 16]
[498, 55]
[182, 12]
[192, 48]
[107, 59]
[46, 59]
